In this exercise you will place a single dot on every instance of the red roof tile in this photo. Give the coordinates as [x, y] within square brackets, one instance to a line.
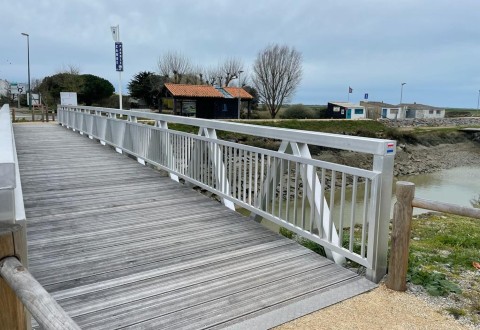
[193, 90]
[236, 92]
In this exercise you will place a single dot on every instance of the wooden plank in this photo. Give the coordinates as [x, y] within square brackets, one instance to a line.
[123, 245]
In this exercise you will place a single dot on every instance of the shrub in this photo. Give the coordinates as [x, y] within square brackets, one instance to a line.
[298, 111]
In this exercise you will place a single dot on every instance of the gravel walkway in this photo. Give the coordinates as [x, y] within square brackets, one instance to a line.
[378, 309]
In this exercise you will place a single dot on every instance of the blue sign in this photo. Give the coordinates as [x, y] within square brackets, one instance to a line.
[119, 56]
[366, 96]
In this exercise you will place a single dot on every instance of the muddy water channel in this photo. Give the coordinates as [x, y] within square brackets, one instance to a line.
[457, 186]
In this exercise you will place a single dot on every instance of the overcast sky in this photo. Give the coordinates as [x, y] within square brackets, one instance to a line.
[373, 45]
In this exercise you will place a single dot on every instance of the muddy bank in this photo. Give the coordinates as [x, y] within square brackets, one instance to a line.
[413, 159]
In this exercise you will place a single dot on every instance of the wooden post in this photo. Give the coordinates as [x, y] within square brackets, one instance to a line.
[402, 219]
[12, 314]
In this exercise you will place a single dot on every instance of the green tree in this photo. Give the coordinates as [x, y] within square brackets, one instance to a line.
[147, 86]
[94, 89]
[51, 86]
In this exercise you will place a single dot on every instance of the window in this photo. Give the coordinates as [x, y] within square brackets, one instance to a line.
[430, 112]
[336, 109]
[438, 112]
[359, 111]
[394, 111]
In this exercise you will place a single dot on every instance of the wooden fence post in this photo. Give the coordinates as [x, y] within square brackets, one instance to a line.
[402, 219]
[12, 313]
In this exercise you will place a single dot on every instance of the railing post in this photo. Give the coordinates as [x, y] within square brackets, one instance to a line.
[402, 219]
[384, 165]
[12, 313]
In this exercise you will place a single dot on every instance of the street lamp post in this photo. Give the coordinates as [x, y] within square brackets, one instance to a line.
[28, 61]
[478, 100]
[239, 94]
[401, 93]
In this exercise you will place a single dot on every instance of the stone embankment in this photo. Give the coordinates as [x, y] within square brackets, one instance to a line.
[430, 122]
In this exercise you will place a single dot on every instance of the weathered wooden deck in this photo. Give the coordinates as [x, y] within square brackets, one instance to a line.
[120, 245]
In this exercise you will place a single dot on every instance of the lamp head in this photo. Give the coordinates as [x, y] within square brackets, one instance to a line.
[24, 34]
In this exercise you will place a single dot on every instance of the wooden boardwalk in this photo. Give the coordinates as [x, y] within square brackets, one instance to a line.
[120, 245]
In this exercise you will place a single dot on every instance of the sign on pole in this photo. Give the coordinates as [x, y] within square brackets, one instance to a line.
[119, 56]
[115, 33]
[17, 89]
[366, 96]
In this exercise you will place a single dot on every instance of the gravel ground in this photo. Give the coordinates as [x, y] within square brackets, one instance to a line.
[380, 308]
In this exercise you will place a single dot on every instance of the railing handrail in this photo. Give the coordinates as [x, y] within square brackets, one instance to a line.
[44, 309]
[345, 142]
[7, 156]
[260, 180]
[402, 218]
[446, 207]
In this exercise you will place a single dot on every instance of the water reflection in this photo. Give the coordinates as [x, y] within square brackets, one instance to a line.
[457, 186]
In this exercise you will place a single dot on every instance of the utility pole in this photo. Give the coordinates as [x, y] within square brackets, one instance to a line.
[29, 90]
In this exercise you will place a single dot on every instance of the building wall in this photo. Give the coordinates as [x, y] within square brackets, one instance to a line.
[392, 113]
[357, 113]
[430, 114]
[4, 87]
[335, 112]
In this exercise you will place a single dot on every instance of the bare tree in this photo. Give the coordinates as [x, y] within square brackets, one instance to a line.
[230, 68]
[211, 75]
[277, 73]
[175, 66]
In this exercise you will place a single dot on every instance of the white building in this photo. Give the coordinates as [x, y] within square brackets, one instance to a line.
[416, 110]
[4, 87]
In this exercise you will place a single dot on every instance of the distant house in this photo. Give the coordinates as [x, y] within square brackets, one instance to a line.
[416, 110]
[205, 101]
[375, 110]
[4, 87]
[345, 110]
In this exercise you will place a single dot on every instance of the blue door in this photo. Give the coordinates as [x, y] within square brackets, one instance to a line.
[384, 113]
[349, 113]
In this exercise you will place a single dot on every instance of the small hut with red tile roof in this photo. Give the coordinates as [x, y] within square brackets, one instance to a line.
[206, 101]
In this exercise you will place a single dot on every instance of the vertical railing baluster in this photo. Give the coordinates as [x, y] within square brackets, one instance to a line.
[250, 167]
[342, 205]
[280, 194]
[274, 184]
[262, 182]
[295, 194]
[245, 176]
[287, 202]
[364, 220]
[267, 188]
[255, 189]
[352, 216]
[304, 194]
[332, 202]
[313, 198]
[321, 231]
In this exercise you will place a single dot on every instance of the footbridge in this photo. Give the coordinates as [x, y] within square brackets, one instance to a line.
[114, 224]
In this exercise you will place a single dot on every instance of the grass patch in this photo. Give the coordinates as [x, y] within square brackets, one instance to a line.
[442, 250]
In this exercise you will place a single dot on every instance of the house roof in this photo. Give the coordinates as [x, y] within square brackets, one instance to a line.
[379, 104]
[418, 106]
[236, 92]
[193, 90]
[346, 104]
[181, 90]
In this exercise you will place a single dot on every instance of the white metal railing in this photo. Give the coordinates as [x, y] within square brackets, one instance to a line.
[343, 208]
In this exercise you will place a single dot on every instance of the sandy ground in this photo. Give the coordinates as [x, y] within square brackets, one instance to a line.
[378, 309]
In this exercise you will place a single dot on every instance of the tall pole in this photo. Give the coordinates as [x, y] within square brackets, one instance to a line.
[239, 94]
[478, 100]
[28, 64]
[401, 93]
[118, 61]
